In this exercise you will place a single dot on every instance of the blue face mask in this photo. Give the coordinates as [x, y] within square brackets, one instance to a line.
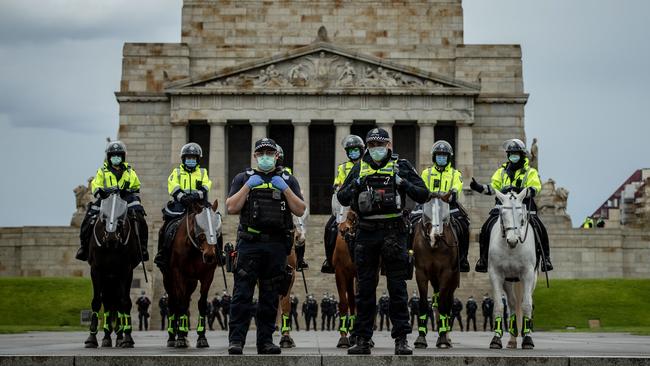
[354, 154]
[514, 158]
[191, 163]
[116, 160]
[265, 163]
[378, 153]
[441, 160]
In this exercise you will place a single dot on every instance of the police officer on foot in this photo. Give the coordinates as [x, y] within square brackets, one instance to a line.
[115, 176]
[376, 188]
[265, 198]
[442, 178]
[354, 147]
[514, 175]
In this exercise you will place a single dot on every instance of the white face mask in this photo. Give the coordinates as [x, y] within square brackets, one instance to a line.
[378, 153]
[116, 160]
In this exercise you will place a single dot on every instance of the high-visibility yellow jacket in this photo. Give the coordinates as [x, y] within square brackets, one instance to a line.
[443, 181]
[526, 177]
[105, 178]
[182, 180]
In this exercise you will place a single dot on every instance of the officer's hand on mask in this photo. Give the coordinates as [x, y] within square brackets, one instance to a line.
[279, 183]
[475, 186]
[254, 180]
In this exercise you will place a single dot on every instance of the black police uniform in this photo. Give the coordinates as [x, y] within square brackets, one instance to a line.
[470, 308]
[264, 242]
[293, 315]
[143, 303]
[164, 312]
[381, 240]
[414, 308]
[456, 314]
[488, 310]
[384, 302]
[310, 311]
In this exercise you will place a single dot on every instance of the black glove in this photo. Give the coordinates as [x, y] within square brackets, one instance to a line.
[454, 197]
[102, 193]
[531, 192]
[475, 186]
[186, 199]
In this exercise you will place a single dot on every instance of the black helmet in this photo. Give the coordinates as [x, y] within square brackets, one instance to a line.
[280, 160]
[191, 149]
[115, 148]
[442, 147]
[514, 145]
[353, 141]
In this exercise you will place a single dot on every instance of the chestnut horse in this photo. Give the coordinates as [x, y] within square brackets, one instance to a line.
[299, 238]
[114, 253]
[195, 254]
[345, 274]
[436, 261]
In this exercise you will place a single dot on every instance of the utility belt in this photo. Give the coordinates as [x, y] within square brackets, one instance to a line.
[396, 224]
[252, 235]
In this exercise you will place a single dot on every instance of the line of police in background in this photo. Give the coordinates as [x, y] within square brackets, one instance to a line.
[219, 308]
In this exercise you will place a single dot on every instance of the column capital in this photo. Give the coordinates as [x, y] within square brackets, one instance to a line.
[343, 123]
[180, 122]
[217, 122]
[465, 123]
[427, 122]
[258, 122]
[301, 123]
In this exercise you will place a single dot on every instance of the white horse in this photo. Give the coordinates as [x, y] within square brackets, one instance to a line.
[512, 258]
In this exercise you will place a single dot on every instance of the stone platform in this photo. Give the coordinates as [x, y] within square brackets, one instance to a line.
[318, 348]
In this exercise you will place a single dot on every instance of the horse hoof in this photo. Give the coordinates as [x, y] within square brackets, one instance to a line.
[421, 342]
[344, 342]
[287, 342]
[181, 343]
[443, 341]
[202, 342]
[527, 343]
[512, 344]
[91, 341]
[106, 342]
[496, 343]
[171, 343]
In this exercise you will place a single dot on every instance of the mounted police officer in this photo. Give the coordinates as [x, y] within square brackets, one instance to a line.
[442, 178]
[265, 198]
[354, 147]
[514, 175]
[376, 188]
[299, 247]
[186, 184]
[116, 174]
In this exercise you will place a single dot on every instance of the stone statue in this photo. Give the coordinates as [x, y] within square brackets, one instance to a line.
[83, 195]
[552, 204]
[534, 154]
[347, 76]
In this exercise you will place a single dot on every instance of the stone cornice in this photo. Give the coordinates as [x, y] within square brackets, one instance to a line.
[141, 97]
[502, 98]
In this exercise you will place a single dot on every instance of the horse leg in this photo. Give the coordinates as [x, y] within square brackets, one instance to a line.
[513, 330]
[96, 304]
[344, 307]
[422, 281]
[171, 311]
[528, 284]
[445, 304]
[497, 291]
[125, 305]
[202, 342]
[183, 313]
[285, 306]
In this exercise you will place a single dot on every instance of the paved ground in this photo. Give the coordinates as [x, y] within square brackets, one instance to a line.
[323, 343]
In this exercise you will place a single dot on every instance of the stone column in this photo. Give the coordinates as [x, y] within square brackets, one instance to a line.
[217, 168]
[465, 149]
[179, 138]
[386, 125]
[425, 141]
[342, 131]
[301, 156]
[259, 130]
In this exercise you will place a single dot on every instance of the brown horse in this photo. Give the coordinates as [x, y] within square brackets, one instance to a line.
[436, 261]
[195, 254]
[299, 238]
[345, 274]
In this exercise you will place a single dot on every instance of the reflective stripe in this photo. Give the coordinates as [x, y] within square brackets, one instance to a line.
[134, 203]
[382, 216]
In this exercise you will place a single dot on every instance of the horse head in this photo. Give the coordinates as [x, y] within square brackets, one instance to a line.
[205, 230]
[112, 227]
[349, 226]
[436, 216]
[513, 217]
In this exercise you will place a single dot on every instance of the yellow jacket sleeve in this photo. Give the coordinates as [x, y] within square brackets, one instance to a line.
[173, 184]
[98, 181]
[207, 183]
[533, 180]
[457, 184]
[134, 181]
[425, 178]
[496, 180]
[340, 176]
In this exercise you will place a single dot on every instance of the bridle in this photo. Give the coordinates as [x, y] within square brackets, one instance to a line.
[128, 233]
[515, 226]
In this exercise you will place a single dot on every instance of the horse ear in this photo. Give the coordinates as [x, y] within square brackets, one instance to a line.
[215, 205]
[521, 195]
[502, 197]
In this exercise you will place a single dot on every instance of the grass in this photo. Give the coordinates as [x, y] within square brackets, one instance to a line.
[621, 305]
[28, 304]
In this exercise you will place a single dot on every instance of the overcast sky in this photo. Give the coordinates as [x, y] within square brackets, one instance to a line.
[585, 66]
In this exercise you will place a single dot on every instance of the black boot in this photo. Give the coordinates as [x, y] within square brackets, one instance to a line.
[143, 230]
[84, 236]
[161, 257]
[82, 253]
[547, 265]
[235, 348]
[331, 232]
[361, 348]
[268, 349]
[464, 264]
[482, 264]
[402, 346]
[327, 267]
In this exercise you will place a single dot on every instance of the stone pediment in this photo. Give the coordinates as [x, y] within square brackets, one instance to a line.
[323, 68]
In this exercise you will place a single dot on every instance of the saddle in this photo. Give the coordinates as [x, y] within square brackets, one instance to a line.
[170, 231]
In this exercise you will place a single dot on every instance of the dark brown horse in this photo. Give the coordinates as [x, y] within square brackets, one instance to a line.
[195, 254]
[436, 261]
[345, 274]
[114, 253]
